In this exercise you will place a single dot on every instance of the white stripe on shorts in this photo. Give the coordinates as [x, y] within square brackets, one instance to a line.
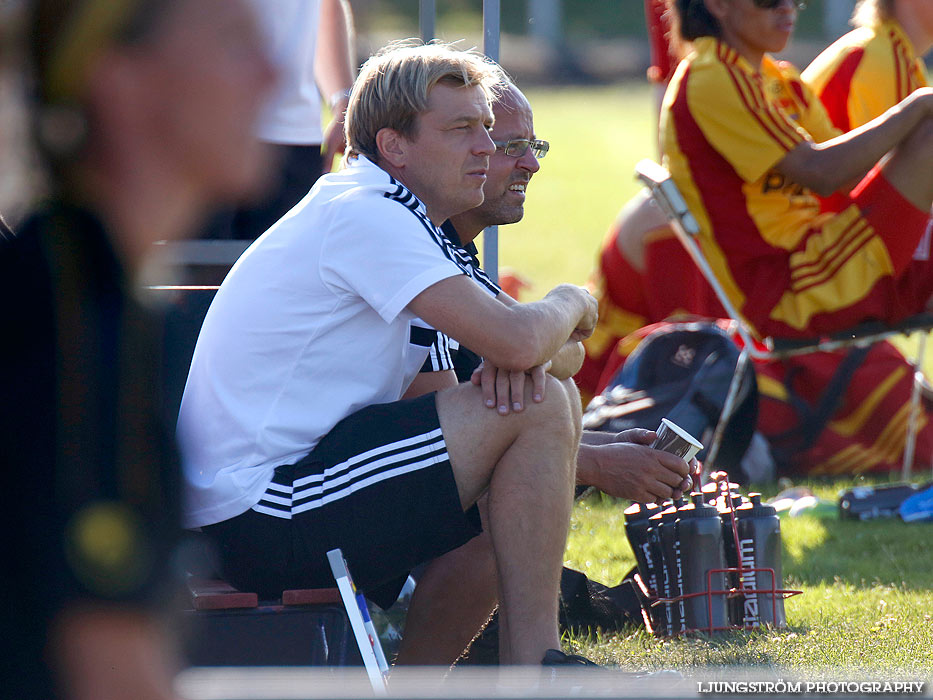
[379, 469]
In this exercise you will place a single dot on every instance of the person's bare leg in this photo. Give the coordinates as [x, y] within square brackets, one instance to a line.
[454, 598]
[505, 644]
[908, 167]
[640, 217]
[526, 460]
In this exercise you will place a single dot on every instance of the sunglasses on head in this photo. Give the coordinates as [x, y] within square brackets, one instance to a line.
[771, 4]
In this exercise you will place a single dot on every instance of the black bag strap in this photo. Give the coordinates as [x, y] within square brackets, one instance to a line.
[812, 421]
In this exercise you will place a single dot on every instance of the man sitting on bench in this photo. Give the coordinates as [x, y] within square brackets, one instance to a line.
[620, 465]
[294, 437]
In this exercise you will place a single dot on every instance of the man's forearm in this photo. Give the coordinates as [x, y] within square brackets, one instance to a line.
[564, 307]
[514, 337]
[622, 465]
[598, 437]
[828, 166]
[587, 465]
[333, 65]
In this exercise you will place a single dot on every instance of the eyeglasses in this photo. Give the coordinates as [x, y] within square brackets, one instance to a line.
[801, 5]
[517, 147]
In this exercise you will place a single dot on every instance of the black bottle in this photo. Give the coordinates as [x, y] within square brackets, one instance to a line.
[699, 531]
[636, 530]
[659, 578]
[725, 509]
[759, 543]
[712, 491]
[673, 566]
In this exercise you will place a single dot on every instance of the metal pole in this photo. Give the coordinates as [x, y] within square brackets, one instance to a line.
[426, 14]
[913, 417]
[491, 33]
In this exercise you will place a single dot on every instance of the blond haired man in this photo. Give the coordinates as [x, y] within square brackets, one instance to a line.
[294, 436]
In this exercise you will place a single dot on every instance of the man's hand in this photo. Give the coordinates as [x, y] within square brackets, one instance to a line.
[623, 466]
[505, 390]
[334, 141]
[637, 472]
[587, 322]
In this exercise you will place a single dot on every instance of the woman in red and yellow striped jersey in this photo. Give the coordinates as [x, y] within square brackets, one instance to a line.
[858, 78]
[752, 176]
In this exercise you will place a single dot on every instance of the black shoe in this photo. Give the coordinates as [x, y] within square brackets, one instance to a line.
[555, 657]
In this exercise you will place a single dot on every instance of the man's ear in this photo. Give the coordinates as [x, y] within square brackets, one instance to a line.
[391, 146]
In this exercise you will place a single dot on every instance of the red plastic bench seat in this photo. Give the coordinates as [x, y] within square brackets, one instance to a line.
[214, 594]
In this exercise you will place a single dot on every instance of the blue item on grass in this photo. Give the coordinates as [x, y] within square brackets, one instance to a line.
[919, 507]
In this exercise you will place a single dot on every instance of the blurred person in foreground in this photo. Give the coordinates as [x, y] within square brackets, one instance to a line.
[144, 112]
[621, 465]
[295, 436]
[310, 42]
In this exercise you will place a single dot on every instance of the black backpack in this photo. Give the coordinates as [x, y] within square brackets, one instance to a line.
[681, 371]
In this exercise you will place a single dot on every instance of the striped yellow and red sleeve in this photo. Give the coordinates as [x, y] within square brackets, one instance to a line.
[864, 73]
[799, 101]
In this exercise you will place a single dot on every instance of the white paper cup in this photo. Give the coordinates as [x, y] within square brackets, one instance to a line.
[674, 439]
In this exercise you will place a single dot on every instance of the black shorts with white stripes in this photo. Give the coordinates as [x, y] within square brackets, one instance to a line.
[379, 485]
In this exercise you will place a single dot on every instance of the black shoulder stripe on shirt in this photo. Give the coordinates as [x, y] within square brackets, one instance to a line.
[454, 253]
[423, 337]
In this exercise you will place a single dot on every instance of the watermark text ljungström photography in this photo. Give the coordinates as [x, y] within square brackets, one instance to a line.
[781, 687]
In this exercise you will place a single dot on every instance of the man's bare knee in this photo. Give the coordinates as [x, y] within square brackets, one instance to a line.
[477, 437]
[561, 404]
[574, 407]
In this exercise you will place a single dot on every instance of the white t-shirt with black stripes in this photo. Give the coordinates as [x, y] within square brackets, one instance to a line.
[309, 326]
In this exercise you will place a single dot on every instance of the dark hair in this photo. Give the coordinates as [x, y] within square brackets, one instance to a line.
[693, 20]
[65, 34]
[64, 37]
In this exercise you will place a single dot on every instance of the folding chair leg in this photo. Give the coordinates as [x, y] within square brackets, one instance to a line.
[910, 443]
[728, 409]
[366, 638]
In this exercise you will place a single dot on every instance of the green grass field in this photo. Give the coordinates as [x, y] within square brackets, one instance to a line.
[866, 607]
[867, 587]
